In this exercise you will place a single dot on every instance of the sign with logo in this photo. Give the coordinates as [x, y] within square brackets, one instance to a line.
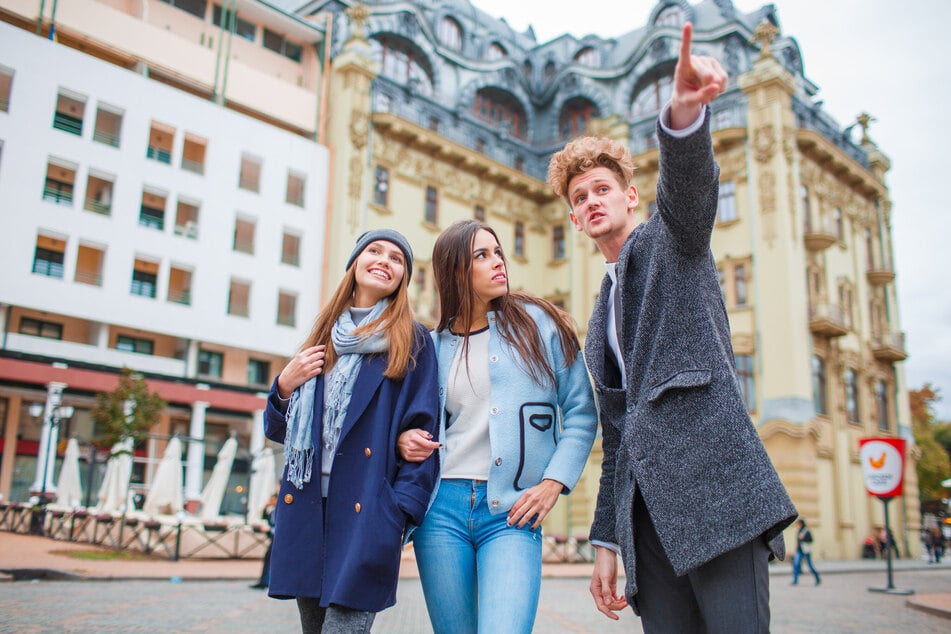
[883, 465]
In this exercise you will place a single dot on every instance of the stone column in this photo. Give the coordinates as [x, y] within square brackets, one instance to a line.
[195, 465]
[46, 455]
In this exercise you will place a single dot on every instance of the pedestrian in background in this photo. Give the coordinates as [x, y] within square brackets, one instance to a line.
[803, 552]
[366, 374]
[518, 421]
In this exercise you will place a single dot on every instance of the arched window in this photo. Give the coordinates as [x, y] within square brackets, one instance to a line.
[671, 16]
[496, 51]
[882, 405]
[450, 34]
[549, 69]
[403, 63]
[575, 115]
[500, 108]
[819, 400]
[652, 97]
[587, 56]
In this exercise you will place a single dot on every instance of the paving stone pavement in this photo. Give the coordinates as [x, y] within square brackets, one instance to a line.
[193, 601]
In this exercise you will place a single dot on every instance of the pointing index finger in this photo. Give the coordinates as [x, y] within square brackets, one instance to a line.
[685, 45]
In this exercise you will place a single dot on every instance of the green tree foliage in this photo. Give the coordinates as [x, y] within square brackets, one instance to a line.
[934, 465]
[127, 411]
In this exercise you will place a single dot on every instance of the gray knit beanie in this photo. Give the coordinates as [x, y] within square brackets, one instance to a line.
[390, 235]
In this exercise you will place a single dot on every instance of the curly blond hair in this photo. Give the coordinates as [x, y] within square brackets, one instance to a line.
[584, 154]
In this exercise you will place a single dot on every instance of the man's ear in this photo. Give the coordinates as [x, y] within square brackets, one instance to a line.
[632, 198]
[574, 220]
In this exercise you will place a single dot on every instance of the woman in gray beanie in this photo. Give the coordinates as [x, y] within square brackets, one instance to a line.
[366, 373]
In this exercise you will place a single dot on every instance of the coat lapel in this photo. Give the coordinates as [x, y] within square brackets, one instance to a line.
[368, 380]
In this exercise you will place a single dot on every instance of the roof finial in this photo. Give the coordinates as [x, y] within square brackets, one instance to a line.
[764, 34]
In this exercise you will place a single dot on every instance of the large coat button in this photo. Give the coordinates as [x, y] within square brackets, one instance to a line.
[498, 462]
[288, 498]
[367, 452]
[357, 507]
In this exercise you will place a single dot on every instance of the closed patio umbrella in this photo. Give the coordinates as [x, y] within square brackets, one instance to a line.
[69, 489]
[263, 482]
[114, 492]
[214, 490]
[165, 495]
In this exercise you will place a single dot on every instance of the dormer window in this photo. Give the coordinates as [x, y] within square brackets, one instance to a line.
[671, 16]
[450, 34]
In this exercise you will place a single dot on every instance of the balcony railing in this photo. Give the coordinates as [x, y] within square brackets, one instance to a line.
[180, 297]
[151, 217]
[158, 154]
[821, 235]
[193, 166]
[889, 347]
[827, 320]
[95, 206]
[291, 258]
[48, 268]
[244, 246]
[239, 310]
[879, 272]
[68, 123]
[143, 288]
[285, 319]
[106, 138]
[250, 184]
[4, 105]
[188, 230]
[58, 192]
[92, 278]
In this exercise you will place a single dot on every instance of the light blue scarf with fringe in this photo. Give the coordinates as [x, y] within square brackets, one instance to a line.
[350, 348]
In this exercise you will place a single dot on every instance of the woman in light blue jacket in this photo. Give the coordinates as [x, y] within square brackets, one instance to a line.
[518, 422]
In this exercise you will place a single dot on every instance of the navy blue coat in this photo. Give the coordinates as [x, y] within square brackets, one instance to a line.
[348, 553]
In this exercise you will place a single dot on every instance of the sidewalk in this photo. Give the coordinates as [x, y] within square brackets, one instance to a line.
[32, 557]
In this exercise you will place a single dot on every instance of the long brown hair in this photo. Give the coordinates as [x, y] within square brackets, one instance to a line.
[452, 268]
[396, 323]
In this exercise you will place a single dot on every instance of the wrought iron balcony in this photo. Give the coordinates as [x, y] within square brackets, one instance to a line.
[889, 347]
[827, 320]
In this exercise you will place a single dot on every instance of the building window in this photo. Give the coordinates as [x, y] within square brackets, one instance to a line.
[449, 33]
[242, 28]
[250, 176]
[727, 204]
[6, 87]
[519, 246]
[295, 189]
[587, 56]
[740, 284]
[745, 375]
[180, 286]
[89, 261]
[160, 143]
[59, 183]
[670, 16]
[575, 115]
[193, 154]
[479, 213]
[851, 395]
[286, 308]
[108, 126]
[839, 226]
[290, 249]
[195, 7]
[210, 363]
[40, 328]
[652, 97]
[381, 185]
[279, 44]
[144, 276]
[186, 219]
[259, 372]
[69, 114]
[881, 404]
[244, 235]
[48, 256]
[819, 400]
[721, 279]
[432, 206]
[495, 51]
[152, 211]
[239, 297]
[135, 344]
[558, 242]
[402, 62]
[501, 109]
[98, 194]
[806, 208]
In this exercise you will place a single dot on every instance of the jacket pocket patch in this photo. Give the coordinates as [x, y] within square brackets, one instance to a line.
[681, 380]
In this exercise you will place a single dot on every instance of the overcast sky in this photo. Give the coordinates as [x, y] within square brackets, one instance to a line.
[881, 56]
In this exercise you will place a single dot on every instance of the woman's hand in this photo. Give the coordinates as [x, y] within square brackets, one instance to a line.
[302, 367]
[415, 445]
[536, 502]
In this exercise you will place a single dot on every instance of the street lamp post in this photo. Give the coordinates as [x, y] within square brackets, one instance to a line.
[57, 414]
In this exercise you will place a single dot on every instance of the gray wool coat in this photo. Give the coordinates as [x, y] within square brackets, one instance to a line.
[680, 431]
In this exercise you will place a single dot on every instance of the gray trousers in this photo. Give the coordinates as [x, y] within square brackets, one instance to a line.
[728, 594]
[332, 620]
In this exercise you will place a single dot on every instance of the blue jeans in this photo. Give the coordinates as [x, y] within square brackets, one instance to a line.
[478, 574]
[797, 566]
